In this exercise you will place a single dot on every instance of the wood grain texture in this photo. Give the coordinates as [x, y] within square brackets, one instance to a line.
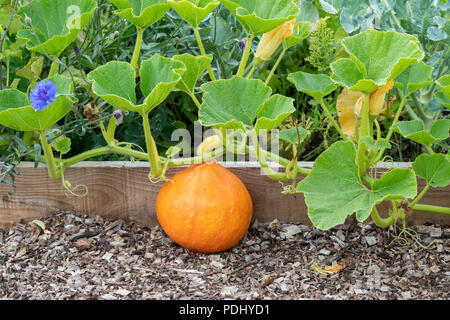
[121, 190]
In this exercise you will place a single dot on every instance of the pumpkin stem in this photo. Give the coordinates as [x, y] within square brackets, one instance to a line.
[208, 145]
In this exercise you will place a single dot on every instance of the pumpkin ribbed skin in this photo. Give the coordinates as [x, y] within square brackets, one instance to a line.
[205, 208]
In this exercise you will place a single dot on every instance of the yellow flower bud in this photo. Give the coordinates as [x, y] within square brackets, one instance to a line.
[271, 40]
[377, 98]
[209, 144]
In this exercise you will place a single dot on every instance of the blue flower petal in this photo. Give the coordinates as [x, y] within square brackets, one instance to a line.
[43, 95]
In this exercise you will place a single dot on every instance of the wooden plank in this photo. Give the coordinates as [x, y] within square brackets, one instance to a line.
[121, 190]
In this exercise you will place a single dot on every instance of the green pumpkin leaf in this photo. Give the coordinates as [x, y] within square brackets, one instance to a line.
[415, 77]
[194, 11]
[375, 58]
[442, 98]
[333, 190]
[17, 113]
[314, 85]
[301, 32]
[195, 67]
[261, 16]
[291, 135]
[444, 84]
[273, 112]
[415, 130]
[159, 76]
[55, 23]
[25, 118]
[115, 83]
[141, 13]
[232, 103]
[435, 169]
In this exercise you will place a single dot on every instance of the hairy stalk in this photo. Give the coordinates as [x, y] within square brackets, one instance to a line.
[262, 161]
[391, 131]
[382, 222]
[430, 208]
[275, 67]
[245, 56]
[49, 157]
[203, 52]
[155, 163]
[364, 132]
[137, 48]
[332, 120]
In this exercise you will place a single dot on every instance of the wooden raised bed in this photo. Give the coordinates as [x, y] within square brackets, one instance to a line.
[121, 190]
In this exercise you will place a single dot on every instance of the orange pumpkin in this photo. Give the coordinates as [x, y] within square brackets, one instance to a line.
[205, 208]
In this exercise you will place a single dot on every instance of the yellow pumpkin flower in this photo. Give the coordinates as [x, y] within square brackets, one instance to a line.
[271, 40]
[377, 98]
[349, 106]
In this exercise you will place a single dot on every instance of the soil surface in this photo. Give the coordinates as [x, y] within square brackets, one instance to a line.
[82, 257]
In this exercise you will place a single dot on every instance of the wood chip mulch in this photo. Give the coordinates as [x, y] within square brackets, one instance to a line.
[82, 257]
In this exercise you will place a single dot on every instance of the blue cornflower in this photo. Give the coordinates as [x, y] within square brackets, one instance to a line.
[43, 95]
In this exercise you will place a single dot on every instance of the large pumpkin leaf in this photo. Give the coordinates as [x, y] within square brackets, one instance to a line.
[272, 113]
[194, 11]
[195, 67]
[435, 169]
[159, 76]
[314, 85]
[415, 77]
[375, 58]
[55, 24]
[115, 83]
[415, 130]
[261, 16]
[141, 13]
[333, 190]
[232, 103]
[17, 113]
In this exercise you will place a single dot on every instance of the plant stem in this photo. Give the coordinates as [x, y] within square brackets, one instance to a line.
[137, 48]
[425, 189]
[196, 160]
[49, 157]
[364, 132]
[333, 121]
[262, 161]
[244, 60]
[8, 60]
[382, 222]
[430, 208]
[102, 151]
[391, 131]
[203, 52]
[152, 151]
[280, 160]
[412, 113]
[277, 63]
[250, 74]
